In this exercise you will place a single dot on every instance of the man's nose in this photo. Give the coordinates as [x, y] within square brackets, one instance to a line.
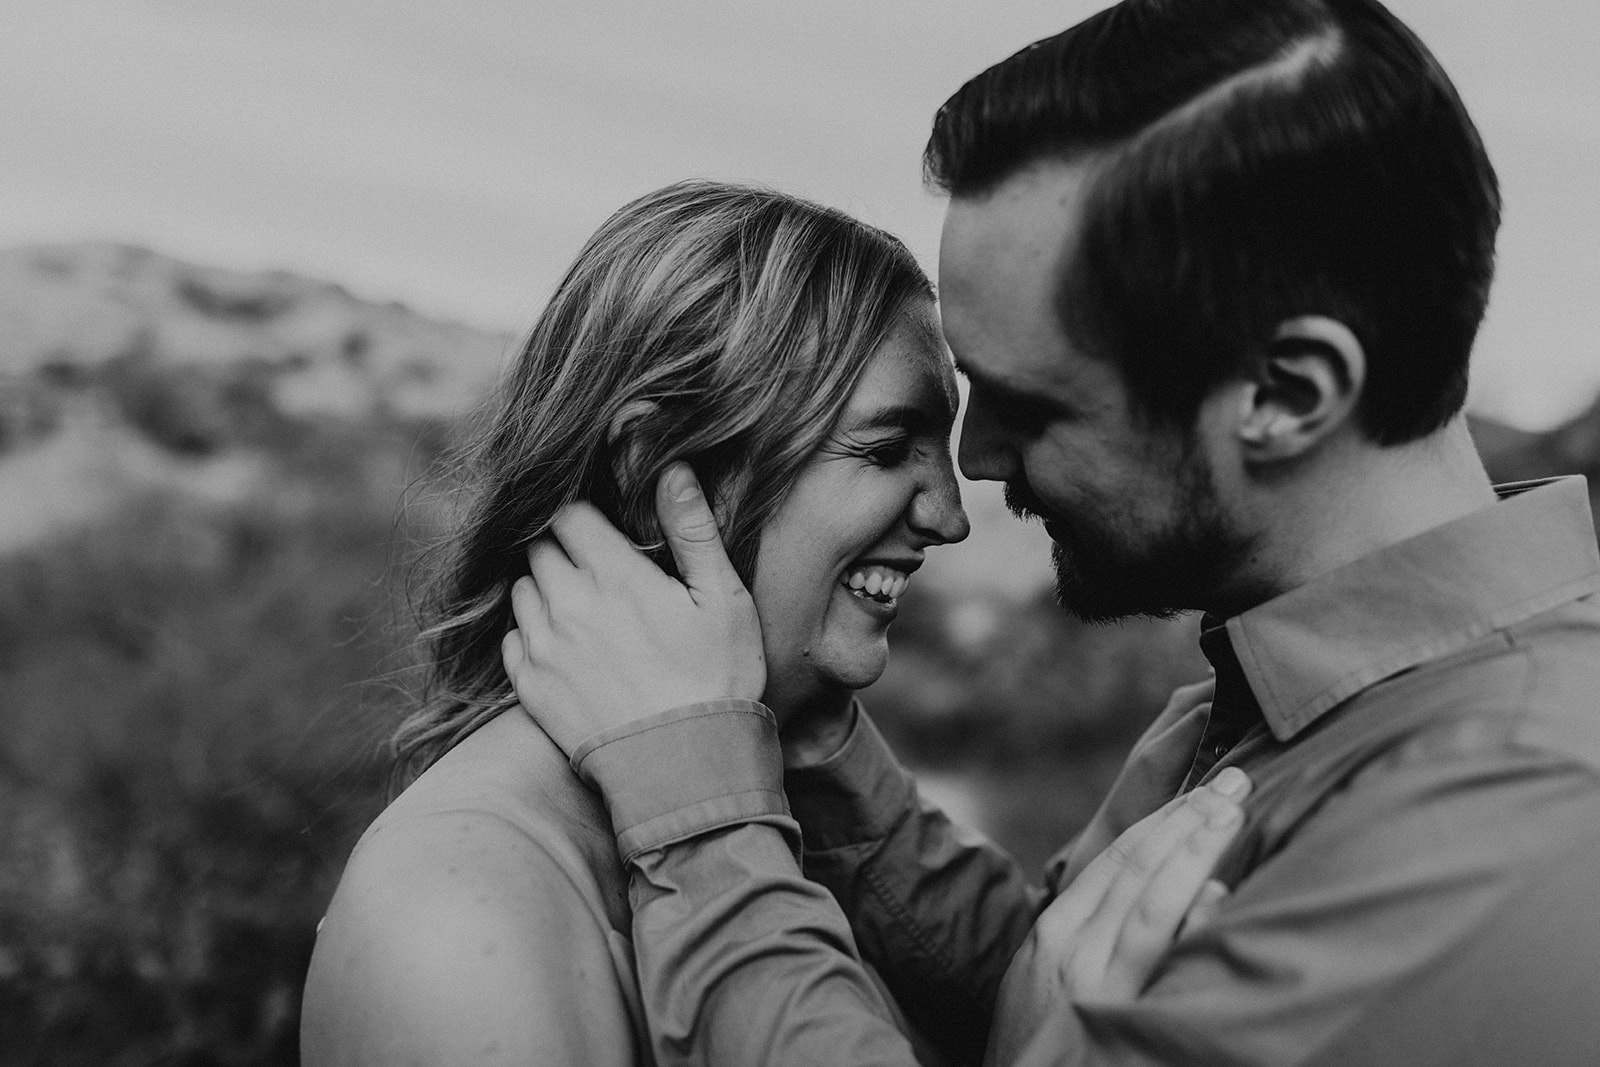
[983, 452]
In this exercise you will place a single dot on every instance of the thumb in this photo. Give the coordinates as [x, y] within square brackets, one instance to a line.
[691, 531]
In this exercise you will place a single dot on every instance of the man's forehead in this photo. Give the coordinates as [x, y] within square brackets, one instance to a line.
[1015, 236]
[1047, 192]
[999, 264]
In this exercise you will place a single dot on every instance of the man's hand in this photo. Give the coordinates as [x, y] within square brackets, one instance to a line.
[1103, 936]
[604, 638]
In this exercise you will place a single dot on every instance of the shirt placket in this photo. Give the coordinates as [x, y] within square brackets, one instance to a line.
[1235, 713]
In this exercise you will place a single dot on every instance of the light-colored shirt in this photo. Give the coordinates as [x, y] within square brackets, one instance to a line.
[1417, 881]
[483, 917]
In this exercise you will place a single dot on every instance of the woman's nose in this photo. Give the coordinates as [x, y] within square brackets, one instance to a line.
[936, 511]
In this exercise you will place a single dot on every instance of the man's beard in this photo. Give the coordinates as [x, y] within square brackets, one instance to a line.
[1109, 570]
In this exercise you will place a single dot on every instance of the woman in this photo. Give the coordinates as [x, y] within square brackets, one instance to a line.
[791, 355]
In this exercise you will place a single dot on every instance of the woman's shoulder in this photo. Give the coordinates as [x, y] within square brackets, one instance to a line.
[507, 780]
[467, 915]
[500, 811]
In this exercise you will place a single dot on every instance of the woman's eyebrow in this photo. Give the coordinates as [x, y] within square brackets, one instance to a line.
[916, 418]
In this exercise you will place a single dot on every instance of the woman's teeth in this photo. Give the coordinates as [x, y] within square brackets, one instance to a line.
[882, 583]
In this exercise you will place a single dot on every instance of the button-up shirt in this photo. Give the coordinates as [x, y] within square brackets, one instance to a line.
[1417, 880]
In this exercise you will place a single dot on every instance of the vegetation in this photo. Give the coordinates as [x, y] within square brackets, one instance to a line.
[195, 699]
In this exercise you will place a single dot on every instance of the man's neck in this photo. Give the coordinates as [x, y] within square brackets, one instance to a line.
[1361, 500]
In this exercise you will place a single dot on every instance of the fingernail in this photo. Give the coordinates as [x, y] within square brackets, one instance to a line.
[1231, 782]
[681, 485]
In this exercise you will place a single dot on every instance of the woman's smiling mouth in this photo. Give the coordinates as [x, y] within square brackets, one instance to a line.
[879, 582]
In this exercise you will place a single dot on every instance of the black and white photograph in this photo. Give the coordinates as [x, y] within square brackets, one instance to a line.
[948, 534]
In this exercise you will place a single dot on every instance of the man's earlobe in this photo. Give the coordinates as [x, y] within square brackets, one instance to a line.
[1306, 385]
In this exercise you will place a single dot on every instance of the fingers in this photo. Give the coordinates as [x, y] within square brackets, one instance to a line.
[1186, 698]
[548, 561]
[1205, 907]
[1158, 865]
[691, 531]
[589, 540]
[512, 654]
[1082, 897]
[526, 604]
[532, 617]
[1137, 865]
[1167, 897]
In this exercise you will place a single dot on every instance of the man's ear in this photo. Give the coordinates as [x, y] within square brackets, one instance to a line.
[1303, 387]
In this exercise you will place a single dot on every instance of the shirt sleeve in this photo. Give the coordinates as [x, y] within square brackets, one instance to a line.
[937, 909]
[741, 959]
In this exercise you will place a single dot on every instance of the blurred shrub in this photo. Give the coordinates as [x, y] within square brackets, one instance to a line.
[1022, 709]
[195, 411]
[190, 742]
[30, 410]
[1011, 685]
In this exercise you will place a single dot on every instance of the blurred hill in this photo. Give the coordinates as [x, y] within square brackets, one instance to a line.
[213, 486]
[122, 370]
[203, 633]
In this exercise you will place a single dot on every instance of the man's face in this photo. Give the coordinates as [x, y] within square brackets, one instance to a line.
[1138, 524]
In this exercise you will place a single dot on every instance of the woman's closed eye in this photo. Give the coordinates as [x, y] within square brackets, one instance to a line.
[887, 451]
[891, 452]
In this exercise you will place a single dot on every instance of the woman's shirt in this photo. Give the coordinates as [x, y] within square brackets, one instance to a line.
[482, 918]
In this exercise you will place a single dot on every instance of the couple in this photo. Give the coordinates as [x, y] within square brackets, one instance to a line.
[1213, 269]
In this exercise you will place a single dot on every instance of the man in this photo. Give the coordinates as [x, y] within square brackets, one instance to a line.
[1214, 269]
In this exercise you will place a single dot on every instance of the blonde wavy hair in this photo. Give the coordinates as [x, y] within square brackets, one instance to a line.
[721, 324]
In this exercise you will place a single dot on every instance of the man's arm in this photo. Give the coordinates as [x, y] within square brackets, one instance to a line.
[937, 909]
[743, 960]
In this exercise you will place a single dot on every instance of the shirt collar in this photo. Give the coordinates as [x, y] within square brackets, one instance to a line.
[1315, 646]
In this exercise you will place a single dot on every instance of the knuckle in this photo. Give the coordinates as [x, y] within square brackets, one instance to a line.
[1151, 912]
[1078, 974]
[698, 530]
[1205, 843]
[1130, 858]
[1204, 801]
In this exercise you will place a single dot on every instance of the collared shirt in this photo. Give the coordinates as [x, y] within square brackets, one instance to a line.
[1417, 881]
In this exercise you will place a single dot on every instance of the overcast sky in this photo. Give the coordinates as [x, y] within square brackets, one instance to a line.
[455, 153]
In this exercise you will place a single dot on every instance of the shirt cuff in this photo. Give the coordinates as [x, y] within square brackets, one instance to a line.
[685, 772]
[856, 795]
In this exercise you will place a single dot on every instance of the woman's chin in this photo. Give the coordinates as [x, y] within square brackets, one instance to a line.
[856, 666]
[826, 674]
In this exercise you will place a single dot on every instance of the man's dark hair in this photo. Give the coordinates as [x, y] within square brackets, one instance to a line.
[1252, 161]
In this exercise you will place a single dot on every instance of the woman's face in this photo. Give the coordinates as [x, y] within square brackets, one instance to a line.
[835, 559]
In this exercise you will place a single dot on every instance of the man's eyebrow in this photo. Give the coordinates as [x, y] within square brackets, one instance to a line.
[993, 385]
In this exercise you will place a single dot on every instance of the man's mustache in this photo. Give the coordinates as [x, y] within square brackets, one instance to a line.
[1023, 503]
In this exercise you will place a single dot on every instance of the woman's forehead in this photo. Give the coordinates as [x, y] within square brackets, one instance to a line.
[908, 381]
